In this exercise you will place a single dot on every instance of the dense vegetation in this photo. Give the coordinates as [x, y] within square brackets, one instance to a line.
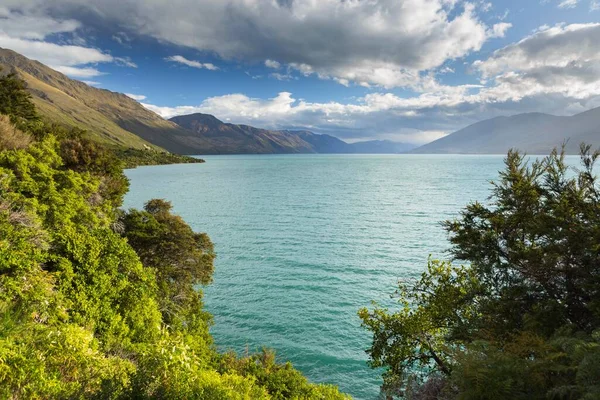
[96, 302]
[135, 157]
[521, 318]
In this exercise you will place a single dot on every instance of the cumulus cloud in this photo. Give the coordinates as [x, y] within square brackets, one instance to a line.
[272, 64]
[138, 97]
[25, 32]
[378, 42]
[562, 59]
[555, 69]
[33, 26]
[192, 63]
[53, 54]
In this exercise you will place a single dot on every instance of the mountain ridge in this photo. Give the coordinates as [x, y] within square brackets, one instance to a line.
[242, 139]
[114, 118]
[533, 133]
[109, 117]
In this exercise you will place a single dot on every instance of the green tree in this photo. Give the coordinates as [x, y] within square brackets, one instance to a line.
[180, 257]
[421, 338]
[513, 322]
[15, 101]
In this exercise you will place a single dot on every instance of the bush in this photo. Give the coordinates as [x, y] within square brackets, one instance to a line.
[12, 138]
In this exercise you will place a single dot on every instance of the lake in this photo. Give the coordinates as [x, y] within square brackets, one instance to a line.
[304, 241]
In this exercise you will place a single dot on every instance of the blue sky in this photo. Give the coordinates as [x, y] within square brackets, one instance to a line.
[405, 70]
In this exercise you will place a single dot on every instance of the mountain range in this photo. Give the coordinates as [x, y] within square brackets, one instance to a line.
[533, 133]
[116, 119]
[231, 139]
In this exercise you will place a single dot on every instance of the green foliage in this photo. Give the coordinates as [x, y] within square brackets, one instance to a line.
[136, 157]
[537, 246]
[521, 321]
[433, 309]
[180, 257]
[15, 101]
[281, 381]
[96, 303]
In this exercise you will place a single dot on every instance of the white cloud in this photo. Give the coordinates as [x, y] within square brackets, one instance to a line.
[499, 30]
[377, 42]
[138, 97]
[25, 32]
[54, 54]
[272, 64]
[33, 26]
[192, 63]
[282, 77]
[92, 83]
[75, 72]
[563, 59]
[555, 69]
[568, 4]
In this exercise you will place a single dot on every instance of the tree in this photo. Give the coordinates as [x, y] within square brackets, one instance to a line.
[537, 246]
[420, 338]
[512, 323]
[180, 257]
[15, 101]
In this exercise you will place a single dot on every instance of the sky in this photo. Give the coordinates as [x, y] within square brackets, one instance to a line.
[404, 70]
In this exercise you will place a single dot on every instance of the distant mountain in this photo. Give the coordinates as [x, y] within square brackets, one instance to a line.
[233, 139]
[534, 133]
[381, 147]
[109, 117]
[228, 138]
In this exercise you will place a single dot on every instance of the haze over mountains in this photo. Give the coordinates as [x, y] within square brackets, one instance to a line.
[533, 133]
[231, 138]
[116, 119]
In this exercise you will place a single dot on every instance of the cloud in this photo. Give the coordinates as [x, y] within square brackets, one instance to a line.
[555, 70]
[562, 59]
[272, 64]
[54, 54]
[138, 97]
[192, 63]
[387, 43]
[34, 27]
[25, 33]
[568, 4]
[92, 83]
[78, 72]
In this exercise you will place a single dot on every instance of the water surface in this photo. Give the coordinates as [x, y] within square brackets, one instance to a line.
[304, 241]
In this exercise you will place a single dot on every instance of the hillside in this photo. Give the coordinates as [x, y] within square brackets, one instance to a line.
[534, 133]
[113, 118]
[229, 138]
[109, 117]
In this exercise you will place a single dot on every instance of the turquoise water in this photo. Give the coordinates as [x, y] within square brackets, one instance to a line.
[304, 241]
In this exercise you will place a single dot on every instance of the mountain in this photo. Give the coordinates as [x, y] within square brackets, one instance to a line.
[234, 139]
[231, 139]
[109, 117]
[534, 133]
[116, 119]
[381, 147]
